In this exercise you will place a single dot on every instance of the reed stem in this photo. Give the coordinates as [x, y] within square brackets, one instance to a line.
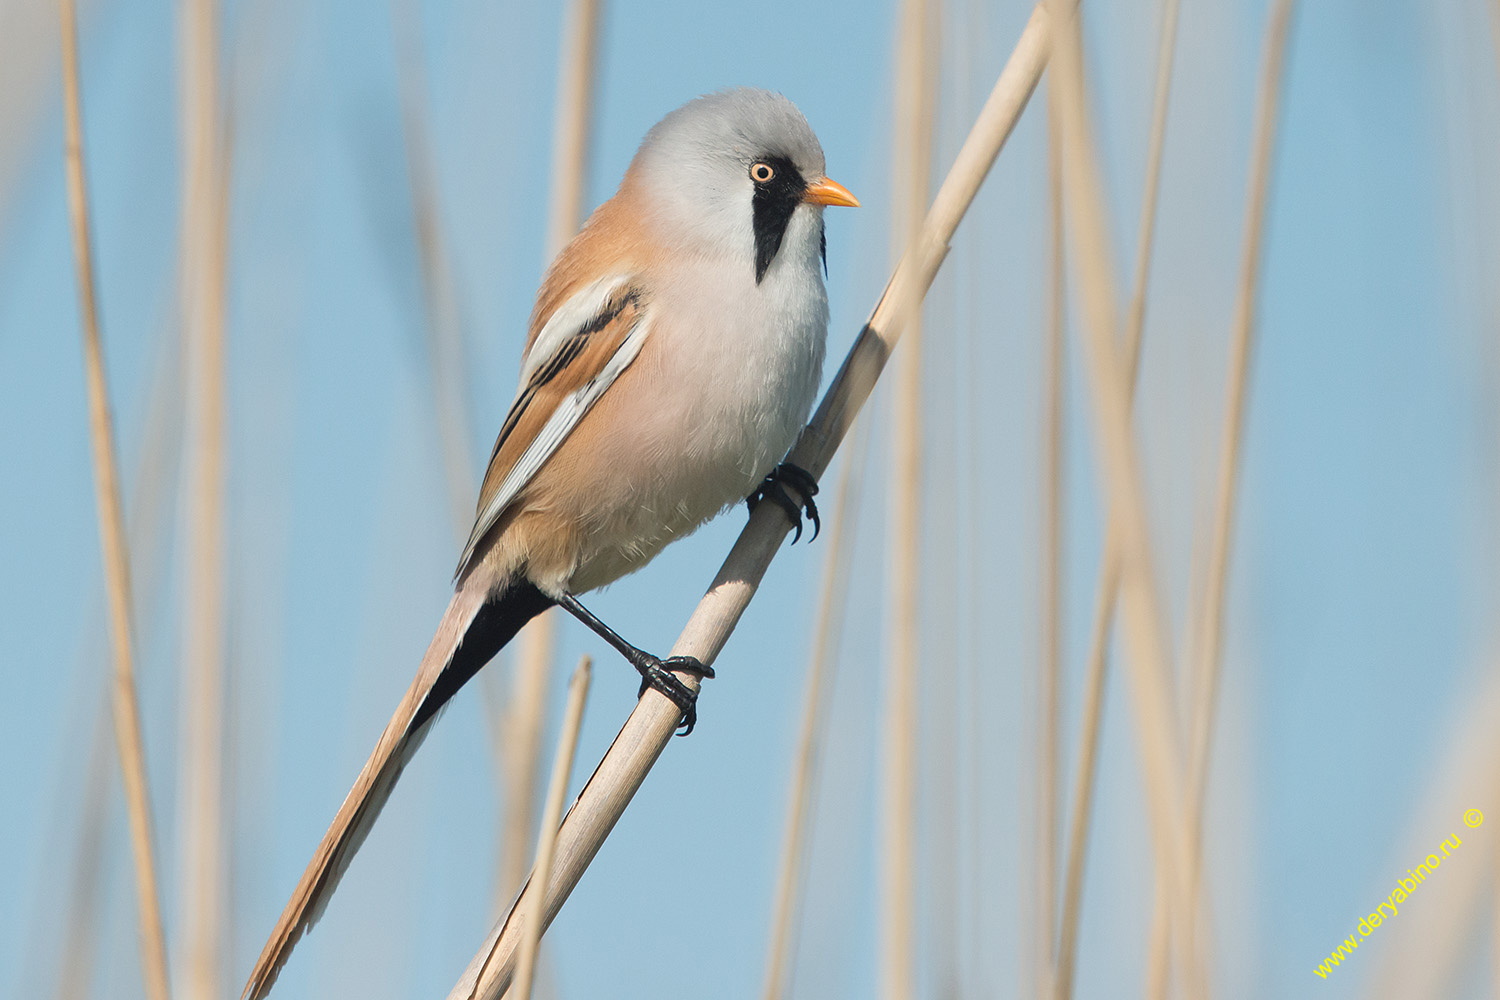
[916, 99]
[1157, 723]
[1209, 651]
[1049, 566]
[126, 709]
[562, 771]
[1109, 571]
[440, 306]
[204, 224]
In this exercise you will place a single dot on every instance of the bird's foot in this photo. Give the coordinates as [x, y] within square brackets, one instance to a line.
[659, 674]
[655, 672]
[774, 489]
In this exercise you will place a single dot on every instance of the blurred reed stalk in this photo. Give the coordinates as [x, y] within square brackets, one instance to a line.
[28, 54]
[533, 898]
[81, 927]
[1109, 572]
[578, 70]
[1209, 645]
[651, 724]
[911, 159]
[1434, 955]
[203, 275]
[111, 532]
[444, 338]
[1157, 723]
[161, 453]
[791, 879]
[973, 40]
[521, 725]
[1049, 583]
[1495, 41]
[578, 60]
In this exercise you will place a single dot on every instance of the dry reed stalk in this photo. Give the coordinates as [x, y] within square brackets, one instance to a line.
[1434, 953]
[521, 736]
[160, 454]
[1495, 42]
[578, 59]
[649, 728]
[915, 114]
[27, 56]
[1210, 640]
[81, 929]
[1109, 571]
[822, 666]
[1208, 648]
[1157, 723]
[576, 79]
[112, 532]
[444, 336]
[562, 771]
[973, 40]
[202, 268]
[1049, 584]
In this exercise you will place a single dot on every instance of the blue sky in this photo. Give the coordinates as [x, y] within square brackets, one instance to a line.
[1361, 593]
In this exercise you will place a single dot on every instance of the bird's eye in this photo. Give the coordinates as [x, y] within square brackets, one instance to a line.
[761, 173]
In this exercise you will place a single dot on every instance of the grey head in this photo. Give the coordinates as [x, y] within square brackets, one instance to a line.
[727, 172]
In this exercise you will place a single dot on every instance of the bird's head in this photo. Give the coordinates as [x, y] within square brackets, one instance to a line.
[738, 173]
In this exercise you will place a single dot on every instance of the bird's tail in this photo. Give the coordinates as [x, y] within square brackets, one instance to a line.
[479, 621]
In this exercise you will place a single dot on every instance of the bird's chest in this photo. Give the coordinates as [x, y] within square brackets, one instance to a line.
[745, 366]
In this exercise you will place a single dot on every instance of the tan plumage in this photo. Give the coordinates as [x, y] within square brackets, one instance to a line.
[671, 359]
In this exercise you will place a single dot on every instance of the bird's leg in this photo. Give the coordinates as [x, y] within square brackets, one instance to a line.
[774, 489]
[655, 672]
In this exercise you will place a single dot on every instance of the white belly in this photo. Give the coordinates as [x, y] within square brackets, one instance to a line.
[733, 372]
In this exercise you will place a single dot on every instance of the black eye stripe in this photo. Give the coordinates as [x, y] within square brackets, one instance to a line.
[772, 205]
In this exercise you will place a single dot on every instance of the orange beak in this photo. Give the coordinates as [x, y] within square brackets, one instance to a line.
[829, 192]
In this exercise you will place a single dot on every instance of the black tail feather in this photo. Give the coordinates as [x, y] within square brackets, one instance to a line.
[496, 624]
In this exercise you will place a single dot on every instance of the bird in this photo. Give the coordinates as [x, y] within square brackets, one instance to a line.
[671, 360]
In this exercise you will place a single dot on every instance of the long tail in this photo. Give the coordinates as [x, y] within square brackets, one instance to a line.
[479, 621]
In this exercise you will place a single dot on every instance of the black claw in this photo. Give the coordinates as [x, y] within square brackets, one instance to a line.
[773, 489]
[658, 673]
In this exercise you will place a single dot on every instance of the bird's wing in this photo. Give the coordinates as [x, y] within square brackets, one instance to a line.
[576, 356]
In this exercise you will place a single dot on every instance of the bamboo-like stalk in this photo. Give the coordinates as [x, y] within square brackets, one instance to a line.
[1049, 567]
[1156, 718]
[1109, 572]
[578, 58]
[821, 670]
[1210, 639]
[649, 728]
[915, 112]
[562, 771]
[201, 809]
[127, 722]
